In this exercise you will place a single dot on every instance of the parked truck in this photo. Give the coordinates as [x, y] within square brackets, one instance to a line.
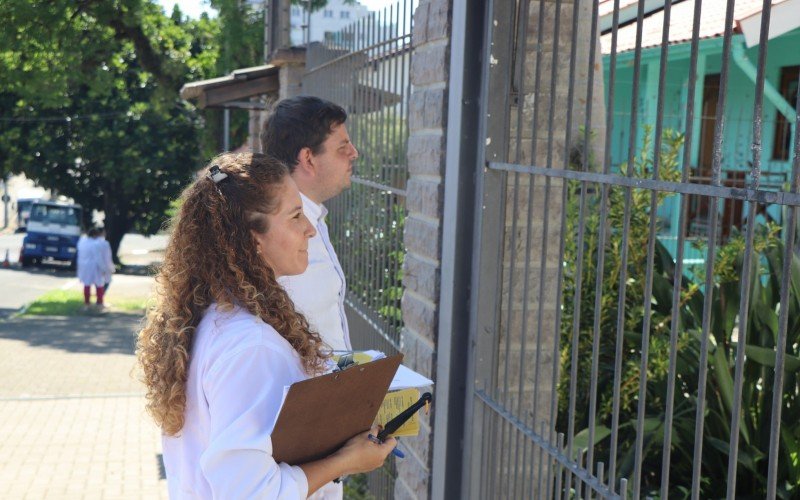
[53, 232]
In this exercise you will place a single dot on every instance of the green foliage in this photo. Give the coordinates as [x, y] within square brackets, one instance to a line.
[761, 333]
[369, 242]
[89, 96]
[356, 488]
[241, 45]
[637, 256]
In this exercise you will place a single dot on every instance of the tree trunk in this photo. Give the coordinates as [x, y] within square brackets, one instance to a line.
[117, 222]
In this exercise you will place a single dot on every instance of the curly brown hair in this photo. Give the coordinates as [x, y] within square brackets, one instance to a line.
[212, 256]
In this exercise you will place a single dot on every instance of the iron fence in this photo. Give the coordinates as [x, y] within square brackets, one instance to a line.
[605, 362]
[365, 68]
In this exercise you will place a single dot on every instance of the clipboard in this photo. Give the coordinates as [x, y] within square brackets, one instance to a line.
[320, 414]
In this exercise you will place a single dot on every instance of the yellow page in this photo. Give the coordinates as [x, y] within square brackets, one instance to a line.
[395, 403]
[358, 357]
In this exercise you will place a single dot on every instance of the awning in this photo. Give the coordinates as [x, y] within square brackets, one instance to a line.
[234, 90]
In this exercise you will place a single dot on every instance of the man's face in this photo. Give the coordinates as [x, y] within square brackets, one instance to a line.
[334, 163]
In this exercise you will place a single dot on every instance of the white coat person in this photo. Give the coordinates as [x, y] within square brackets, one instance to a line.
[95, 265]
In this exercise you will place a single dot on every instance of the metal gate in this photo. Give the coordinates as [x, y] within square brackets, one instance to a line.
[365, 69]
[628, 338]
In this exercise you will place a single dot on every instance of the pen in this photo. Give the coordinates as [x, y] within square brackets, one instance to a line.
[399, 420]
[395, 451]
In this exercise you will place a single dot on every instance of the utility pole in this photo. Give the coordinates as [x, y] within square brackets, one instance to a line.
[6, 199]
[267, 31]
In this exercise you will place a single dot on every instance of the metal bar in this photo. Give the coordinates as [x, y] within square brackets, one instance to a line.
[531, 185]
[612, 78]
[780, 348]
[557, 325]
[747, 263]
[760, 196]
[579, 264]
[452, 347]
[623, 275]
[380, 274]
[364, 50]
[557, 328]
[678, 278]
[651, 248]
[575, 469]
[623, 278]
[560, 450]
[709, 283]
[599, 278]
[487, 233]
[522, 27]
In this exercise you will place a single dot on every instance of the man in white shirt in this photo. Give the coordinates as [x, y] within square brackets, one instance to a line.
[309, 135]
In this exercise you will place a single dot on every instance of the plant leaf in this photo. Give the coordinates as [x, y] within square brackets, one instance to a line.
[766, 357]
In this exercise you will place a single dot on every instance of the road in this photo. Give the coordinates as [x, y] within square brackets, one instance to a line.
[21, 286]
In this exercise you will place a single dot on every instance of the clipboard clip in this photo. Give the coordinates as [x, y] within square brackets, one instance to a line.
[345, 362]
[398, 421]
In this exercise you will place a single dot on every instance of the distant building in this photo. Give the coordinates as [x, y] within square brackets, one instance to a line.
[325, 23]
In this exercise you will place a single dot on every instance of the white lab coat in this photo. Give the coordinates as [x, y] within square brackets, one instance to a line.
[95, 265]
[238, 369]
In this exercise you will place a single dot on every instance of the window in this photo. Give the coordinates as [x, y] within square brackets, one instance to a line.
[54, 214]
[783, 128]
[328, 13]
[344, 14]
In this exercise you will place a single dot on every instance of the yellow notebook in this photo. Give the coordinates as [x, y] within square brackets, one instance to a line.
[393, 404]
[395, 401]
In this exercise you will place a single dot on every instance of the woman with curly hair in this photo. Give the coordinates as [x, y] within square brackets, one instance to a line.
[223, 339]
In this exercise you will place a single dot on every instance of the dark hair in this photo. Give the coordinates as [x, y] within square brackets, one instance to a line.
[297, 123]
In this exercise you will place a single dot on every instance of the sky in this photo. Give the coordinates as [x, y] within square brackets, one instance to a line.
[193, 8]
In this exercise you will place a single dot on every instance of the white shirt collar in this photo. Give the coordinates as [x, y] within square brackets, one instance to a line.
[314, 211]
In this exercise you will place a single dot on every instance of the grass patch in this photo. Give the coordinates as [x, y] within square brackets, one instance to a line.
[70, 302]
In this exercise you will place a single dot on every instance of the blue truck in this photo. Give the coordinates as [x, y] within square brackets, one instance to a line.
[53, 232]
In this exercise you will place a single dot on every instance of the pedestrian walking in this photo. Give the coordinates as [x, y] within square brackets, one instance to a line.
[95, 265]
[223, 339]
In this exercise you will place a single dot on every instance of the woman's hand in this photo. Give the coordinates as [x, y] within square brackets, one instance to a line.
[360, 454]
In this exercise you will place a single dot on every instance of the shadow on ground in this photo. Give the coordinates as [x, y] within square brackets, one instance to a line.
[107, 333]
[45, 270]
[5, 312]
[139, 269]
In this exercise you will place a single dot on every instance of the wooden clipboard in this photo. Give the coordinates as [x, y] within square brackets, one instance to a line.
[320, 414]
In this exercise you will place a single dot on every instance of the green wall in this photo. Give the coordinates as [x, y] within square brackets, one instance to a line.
[738, 130]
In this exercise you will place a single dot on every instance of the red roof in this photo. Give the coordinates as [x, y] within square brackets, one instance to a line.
[712, 23]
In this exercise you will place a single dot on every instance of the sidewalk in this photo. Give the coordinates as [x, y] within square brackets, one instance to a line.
[73, 421]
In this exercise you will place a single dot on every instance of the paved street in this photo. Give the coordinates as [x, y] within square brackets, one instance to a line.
[73, 422]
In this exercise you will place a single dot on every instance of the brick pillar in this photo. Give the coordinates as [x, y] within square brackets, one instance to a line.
[423, 228]
[291, 80]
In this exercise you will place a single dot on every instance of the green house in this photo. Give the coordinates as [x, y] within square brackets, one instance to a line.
[778, 115]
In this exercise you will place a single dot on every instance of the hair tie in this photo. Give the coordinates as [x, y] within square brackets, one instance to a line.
[216, 175]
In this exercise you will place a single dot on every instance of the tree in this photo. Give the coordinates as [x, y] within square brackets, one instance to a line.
[90, 105]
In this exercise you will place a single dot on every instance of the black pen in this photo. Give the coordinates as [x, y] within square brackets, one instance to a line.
[399, 420]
